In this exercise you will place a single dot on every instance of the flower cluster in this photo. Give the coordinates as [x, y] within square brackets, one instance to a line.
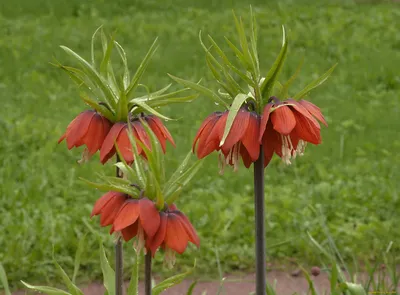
[168, 228]
[284, 128]
[96, 132]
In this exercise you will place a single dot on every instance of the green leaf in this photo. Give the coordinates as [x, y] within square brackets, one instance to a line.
[133, 288]
[108, 272]
[243, 41]
[172, 281]
[237, 103]
[94, 76]
[147, 108]
[273, 73]
[285, 87]
[181, 181]
[4, 280]
[138, 163]
[92, 46]
[334, 277]
[354, 289]
[253, 42]
[72, 288]
[78, 256]
[126, 77]
[168, 101]
[201, 89]
[237, 52]
[141, 69]
[98, 107]
[311, 286]
[191, 288]
[111, 187]
[315, 83]
[46, 290]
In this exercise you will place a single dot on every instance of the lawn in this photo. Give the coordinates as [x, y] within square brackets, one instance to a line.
[353, 177]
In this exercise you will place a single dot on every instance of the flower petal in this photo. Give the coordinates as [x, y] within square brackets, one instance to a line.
[127, 215]
[246, 157]
[130, 232]
[79, 129]
[314, 110]
[110, 210]
[306, 130]
[296, 106]
[238, 129]
[163, 129]
[176, 237]
[264, 120]
[210, 120]
[94, 137]
[190, 231]
[156, 241]
[100, 203]
[283, 120]
[107, 149]
[202, 149]
[250, 138]
[142, 136]
[149, 217]
[157, 132]
[271, 142]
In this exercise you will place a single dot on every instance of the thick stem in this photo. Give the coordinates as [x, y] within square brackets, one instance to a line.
[119, 266]
[147, 273]
[259, 224]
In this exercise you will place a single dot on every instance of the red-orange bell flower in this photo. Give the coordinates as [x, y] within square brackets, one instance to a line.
[119, 134]
[88, 128]
[287, 126]
[173, 234]
[241, 139]
[108, 206]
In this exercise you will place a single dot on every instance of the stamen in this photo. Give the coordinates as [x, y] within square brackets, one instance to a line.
[169, 258]
[85, 156]
[140, 242]
[221, 163]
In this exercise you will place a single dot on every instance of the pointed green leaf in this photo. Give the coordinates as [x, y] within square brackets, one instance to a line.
[98, 107]
[107, 49]
[72, 288]
[141, 69]
[168, 101]
[315, 83]
[237, 52]
[4, 280]
[253, 42]
[181, 168]
[284, 92]
[181, 181]
[311, 286]
[172, 281]
[243, 41]
[46, 290]
[334, 277]
[147, 108]
[201, 89]
[92, 46]
[133, 288]
[228, 63]
[94, 76]
[191, 288]
[108, 272]
[78, 256]
[273, 73]
[122, 53]
[110, 187]
[138, 163]
[237, 103]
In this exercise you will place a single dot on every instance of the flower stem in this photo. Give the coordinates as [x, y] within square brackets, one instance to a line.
[119, 266]
[147, 273]
[259, 224]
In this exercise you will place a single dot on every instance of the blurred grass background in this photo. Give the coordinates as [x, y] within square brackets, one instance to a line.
[353, 177]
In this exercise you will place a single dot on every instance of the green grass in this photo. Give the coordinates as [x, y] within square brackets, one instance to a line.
[353, 176]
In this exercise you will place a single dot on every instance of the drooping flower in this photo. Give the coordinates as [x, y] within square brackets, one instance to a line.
[131, 217]
[119, 134]
[108, 206]
[241, 140]
[287, 126]
[173, 235]
[89, 128]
